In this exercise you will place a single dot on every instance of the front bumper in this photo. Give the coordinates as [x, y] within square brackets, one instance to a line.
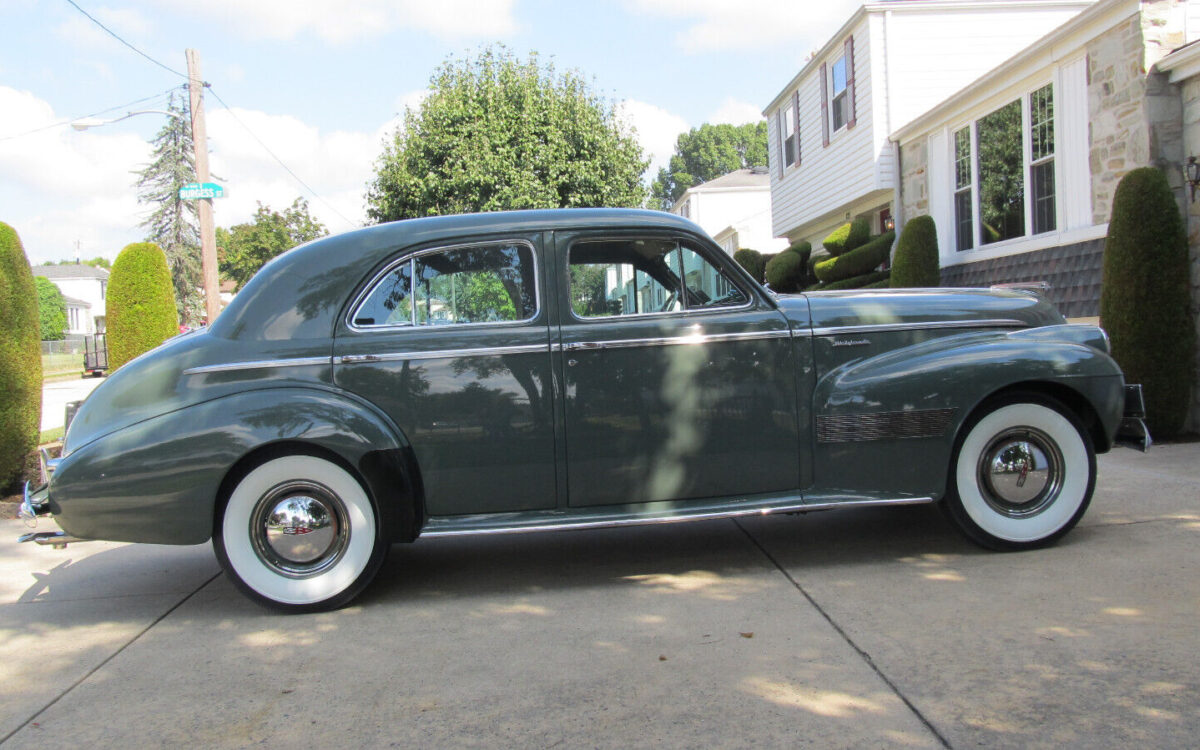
[1132, 431]
[36, 503]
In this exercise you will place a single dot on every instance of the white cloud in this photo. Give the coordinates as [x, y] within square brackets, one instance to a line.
[735, 112]
[344, 22]
[723, 25]
[126, 22]
[657, 130]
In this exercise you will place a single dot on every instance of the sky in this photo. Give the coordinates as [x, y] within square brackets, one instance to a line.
[322, 83]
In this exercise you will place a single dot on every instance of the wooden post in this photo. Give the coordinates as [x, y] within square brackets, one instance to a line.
[208, 235]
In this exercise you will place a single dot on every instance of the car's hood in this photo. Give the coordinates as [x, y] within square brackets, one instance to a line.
[920, 306]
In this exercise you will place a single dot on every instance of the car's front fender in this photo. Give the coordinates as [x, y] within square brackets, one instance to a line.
[158, 480]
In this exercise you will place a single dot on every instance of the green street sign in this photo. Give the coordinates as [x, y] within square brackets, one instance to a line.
[199, 190]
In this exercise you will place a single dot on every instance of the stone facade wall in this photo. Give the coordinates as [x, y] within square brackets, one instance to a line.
[1190, 97]
[914, 180]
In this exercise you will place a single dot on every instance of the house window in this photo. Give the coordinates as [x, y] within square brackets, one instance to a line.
[1041, 158]
[789, 138]
[963, 232]
[840, 101]
[1001, 175]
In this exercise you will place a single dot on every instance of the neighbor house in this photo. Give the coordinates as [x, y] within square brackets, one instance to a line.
[84, 288]
[735, 210]
[830, 153]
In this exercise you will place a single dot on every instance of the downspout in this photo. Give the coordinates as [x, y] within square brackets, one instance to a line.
[897, 201]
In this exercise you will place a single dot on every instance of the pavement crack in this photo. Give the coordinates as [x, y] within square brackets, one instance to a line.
[107, 659]
[866, 657]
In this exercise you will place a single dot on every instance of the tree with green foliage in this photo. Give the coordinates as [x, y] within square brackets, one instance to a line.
[1145, 297]
[498, 133]
[245, 248]
[52, 310]
[20, 358]
[140, 303]
[915, 263]
[705, 153]
[98, 262]
[174, 225]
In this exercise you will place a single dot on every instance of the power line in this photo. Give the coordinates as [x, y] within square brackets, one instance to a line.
[60, 123]
[266, 148]
[122, 41]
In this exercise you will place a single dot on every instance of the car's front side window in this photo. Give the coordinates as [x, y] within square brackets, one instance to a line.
[644, 276]
[487, 283]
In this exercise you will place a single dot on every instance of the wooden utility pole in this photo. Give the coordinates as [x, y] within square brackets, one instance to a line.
[208, 235]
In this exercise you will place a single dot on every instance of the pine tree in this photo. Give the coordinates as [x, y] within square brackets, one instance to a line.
[173, 225]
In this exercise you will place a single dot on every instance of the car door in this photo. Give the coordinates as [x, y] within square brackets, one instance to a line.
[452, 342]
[679, 375]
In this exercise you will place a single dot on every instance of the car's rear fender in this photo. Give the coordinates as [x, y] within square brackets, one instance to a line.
[160, 480]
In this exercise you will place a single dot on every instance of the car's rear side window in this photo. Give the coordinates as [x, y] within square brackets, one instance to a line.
[486, 283]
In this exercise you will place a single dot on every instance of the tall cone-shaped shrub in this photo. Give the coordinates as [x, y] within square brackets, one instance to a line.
[915, 262]
[20, 358]
[1144, 297]
[140, 304]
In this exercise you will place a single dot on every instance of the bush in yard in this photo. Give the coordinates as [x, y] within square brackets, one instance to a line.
[20, 358]
[52, 310]
[848, 236]
[788, 271]
[752, 261]
[916, 261]
[872, 280]
[1145, 297]
[856, 262]
[140, 304]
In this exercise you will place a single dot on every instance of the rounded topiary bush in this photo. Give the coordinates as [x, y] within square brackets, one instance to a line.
[140, 304]
[848, 236]
[1145, 296]
[915, 263]
[20, 358]
[855, 262]
[752, 261]
[786, 272]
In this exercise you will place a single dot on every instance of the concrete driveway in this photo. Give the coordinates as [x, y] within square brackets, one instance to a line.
[856, 628]
[56, 394]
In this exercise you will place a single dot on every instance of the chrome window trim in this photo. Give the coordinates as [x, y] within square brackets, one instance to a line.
[932, 324]
[641, 316]
[362, 296]
[694, 338]
[262, 364]
[489, 351]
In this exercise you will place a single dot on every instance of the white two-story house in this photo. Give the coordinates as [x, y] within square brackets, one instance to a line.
[735, 210]
[84, 289]
[831, 158]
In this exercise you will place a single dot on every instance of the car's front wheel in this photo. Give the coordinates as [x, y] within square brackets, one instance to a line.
[1022, 474]
[299, 533]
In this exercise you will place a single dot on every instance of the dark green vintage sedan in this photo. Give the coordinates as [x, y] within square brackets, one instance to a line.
[544, 370]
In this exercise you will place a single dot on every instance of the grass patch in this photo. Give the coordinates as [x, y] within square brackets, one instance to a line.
[61, 364]
[51, 435]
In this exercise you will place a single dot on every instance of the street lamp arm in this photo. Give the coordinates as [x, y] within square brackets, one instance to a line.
[93, 122]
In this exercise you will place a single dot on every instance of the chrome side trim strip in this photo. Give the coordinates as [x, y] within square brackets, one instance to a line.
[261, 364]
[635, 521]
[491, 351]
[695, 338]
[926, 325]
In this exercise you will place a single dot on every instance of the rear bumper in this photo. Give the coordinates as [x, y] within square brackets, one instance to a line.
[1132, 431]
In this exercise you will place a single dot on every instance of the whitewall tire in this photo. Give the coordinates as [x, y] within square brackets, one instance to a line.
[1022, 475]
[299, 533]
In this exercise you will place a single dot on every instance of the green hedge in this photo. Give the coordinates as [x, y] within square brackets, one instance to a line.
[1145, 296]
[752, 261]
[848, 236]
[856, 262]
[140, 304]
[52, 310]
[915, 263]
[859, 282]
[786, 272]
[20, 358]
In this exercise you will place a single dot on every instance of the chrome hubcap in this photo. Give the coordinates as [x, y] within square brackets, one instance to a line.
[299, 529]
[1021, 472]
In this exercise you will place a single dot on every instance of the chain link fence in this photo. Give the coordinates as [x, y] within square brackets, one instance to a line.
[62, 357]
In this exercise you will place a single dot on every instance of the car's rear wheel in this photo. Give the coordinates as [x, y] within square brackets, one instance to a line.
[299, 533]
[1022, 474]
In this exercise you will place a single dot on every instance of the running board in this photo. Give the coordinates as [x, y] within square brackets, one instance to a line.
[555, 520]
